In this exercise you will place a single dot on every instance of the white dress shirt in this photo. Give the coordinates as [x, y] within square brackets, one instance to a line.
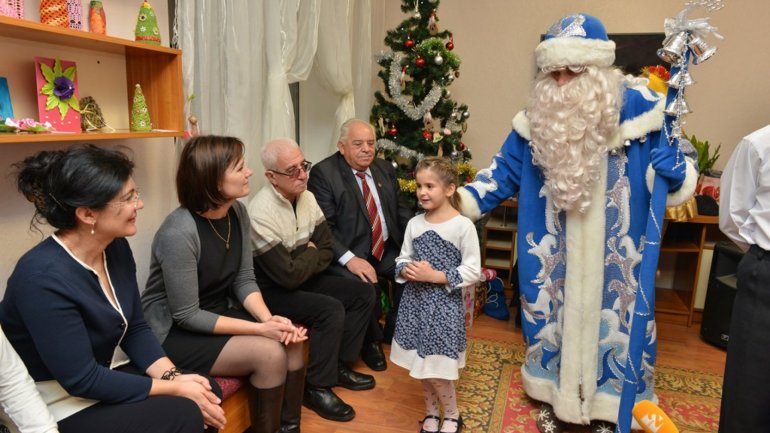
[744, 211]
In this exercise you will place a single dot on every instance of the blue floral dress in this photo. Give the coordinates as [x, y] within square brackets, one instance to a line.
[430, 337]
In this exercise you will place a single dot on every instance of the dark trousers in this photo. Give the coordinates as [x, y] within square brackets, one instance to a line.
[156, 414]
[385, 269]
[336, 313]
[746, 389]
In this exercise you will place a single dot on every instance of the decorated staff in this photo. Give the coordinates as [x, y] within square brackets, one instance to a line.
[685, 41]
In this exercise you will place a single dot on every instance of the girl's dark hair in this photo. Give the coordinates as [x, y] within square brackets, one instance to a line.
[60, 181]
[202, 166]
[446, 172]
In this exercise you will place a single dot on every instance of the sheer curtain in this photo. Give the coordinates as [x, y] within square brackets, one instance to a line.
[240, 57]
[344, 59]
[224, 66]
[291, 34]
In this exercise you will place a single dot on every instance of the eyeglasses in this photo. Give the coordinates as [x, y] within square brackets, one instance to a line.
[135, 196]
[293, 172]
[575, 69]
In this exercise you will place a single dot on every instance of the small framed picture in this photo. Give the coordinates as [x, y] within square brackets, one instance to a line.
[57, 95]
[6, 109]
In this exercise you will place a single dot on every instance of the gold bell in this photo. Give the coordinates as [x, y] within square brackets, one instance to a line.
[700, 49]
[680, 80]
[673, 48]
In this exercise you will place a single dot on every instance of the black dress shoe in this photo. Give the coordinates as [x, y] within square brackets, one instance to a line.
[326, 404]
[289, 428]
[349, 379]
[458, 423]
[427, 417]
[373, 356]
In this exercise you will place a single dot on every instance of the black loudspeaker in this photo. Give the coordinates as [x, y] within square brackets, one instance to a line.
[715, 328]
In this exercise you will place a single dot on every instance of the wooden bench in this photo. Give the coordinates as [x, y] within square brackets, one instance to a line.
[235, 403]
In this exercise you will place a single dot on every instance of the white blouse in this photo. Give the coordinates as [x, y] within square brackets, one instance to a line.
[22, 408]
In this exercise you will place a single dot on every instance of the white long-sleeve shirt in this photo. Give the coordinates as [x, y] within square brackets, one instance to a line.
[744, 211]
[19, 399]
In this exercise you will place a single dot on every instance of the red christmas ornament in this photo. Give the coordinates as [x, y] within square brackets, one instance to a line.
[427, 135]
[461, 146]
[451, 44]
[393, 131]
[419, 62]
[409, 42]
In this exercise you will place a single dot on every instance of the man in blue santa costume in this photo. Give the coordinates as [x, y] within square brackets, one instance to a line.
[581, 158]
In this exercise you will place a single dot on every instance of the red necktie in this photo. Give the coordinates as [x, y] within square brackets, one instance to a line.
[378, 241]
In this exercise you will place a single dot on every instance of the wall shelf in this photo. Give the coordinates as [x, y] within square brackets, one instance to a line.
[498, 250]
[683, 245]
[157, 69]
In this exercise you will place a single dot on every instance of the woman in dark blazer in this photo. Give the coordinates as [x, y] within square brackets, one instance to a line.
[72, 312]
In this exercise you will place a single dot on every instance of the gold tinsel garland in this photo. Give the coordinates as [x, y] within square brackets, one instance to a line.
[466, 172]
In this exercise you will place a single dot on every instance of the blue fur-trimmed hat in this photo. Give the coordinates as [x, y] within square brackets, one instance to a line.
[575, 40]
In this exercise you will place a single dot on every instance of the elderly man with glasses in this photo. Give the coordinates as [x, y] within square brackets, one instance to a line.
[292, 249]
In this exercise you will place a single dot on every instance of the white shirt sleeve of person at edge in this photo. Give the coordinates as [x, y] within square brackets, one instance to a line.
[744, 211]
[22, 410]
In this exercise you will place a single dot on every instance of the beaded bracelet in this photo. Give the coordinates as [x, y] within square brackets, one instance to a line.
[170, 374]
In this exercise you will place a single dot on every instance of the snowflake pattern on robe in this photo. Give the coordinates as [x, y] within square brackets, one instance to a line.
[622, 257]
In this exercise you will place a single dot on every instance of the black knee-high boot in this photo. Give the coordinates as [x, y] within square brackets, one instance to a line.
[265, 409]
[292, 401]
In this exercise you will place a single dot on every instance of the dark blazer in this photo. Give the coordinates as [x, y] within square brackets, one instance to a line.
[335, 188]
[59, 321]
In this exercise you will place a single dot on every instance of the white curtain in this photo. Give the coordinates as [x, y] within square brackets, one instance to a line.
[291, 37]
[239, 57]
[344, 59]
[224, 66]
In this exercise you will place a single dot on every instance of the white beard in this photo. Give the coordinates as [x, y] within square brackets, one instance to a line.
[569, 127]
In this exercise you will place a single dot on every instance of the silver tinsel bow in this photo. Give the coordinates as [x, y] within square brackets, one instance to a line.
[394, 86]
[385, 144]
[699, 26]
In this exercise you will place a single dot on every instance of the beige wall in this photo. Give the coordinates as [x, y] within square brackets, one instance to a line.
[102, 76]
[495, 40]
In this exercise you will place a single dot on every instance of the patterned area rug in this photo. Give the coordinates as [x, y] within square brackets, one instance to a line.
[492, 399]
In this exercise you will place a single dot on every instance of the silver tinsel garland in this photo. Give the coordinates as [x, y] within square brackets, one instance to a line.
[385, 144]
[394, 86]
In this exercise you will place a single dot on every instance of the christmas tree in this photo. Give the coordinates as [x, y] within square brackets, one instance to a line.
[140, 115]
[415, 117]
[147, 25]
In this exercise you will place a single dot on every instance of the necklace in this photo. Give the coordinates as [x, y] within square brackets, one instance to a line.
[227, 240]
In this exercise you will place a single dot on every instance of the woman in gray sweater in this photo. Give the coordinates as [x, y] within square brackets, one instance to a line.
[202, 300]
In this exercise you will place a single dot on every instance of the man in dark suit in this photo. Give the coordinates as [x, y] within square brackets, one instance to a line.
[368, 237]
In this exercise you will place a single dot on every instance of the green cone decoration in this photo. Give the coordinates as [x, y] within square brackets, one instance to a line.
[147, 30]
[140, 115]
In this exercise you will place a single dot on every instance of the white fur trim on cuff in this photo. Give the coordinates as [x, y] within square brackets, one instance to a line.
[684, 192]
[566, 51]
[468, 204]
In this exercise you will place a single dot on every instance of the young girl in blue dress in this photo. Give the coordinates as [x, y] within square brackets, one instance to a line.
[439, 256]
